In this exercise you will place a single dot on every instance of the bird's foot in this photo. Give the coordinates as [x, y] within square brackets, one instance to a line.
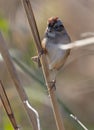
[37, 58]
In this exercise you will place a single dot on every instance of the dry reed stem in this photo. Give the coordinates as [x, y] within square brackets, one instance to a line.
[7, 106]
[76, 44]
[32, 22]
[32, 113]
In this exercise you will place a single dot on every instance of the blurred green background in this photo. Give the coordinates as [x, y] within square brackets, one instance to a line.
[75, 82]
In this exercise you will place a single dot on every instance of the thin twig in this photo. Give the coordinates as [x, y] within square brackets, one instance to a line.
[32, 22]
[78, 121]
[34, 118]
[7, 106]
[79, 43]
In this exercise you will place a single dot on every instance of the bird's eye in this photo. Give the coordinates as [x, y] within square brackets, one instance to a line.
[59, 27]
[56, 26]
[62, 26]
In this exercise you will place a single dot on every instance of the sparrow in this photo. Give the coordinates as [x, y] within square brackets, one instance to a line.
[55, 35]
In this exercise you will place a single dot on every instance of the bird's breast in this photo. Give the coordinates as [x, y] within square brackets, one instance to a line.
[54, 54]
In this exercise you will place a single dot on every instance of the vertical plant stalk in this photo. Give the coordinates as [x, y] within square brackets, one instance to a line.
[32, 113]
[34, 29]
[7, 106]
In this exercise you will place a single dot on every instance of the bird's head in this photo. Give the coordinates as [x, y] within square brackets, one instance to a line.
[55, 24]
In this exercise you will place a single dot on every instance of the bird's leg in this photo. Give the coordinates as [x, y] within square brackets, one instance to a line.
[37, 58]
[53, 79]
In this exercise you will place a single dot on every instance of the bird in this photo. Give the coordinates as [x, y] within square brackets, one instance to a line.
[55, 35]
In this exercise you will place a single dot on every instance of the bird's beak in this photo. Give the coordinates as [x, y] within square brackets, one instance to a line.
[49, 29]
